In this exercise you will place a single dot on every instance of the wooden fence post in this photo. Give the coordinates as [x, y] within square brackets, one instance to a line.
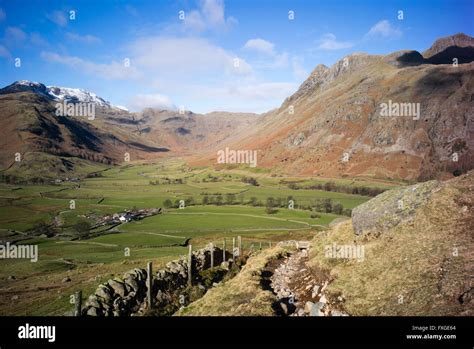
[78, 303]
[190, 265]
[212, 255]
[149, 284]
[240, 246]
[233, 249]
[223, 250]
[260, 247]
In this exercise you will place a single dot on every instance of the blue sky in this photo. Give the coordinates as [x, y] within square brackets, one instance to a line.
[235, 55]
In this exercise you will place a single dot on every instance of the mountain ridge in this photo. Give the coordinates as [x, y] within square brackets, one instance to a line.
[334, 114]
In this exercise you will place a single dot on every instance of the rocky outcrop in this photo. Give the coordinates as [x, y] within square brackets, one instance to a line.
[126, 296]
[322, 75]
[440, 45]
[392, 208]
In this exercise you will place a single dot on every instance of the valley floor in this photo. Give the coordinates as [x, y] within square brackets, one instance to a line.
[218, 204]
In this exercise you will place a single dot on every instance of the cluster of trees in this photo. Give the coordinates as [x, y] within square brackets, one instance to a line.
[250, 180]
[210, 178]
[271, 204]
[328, 206]
[331, 186]
[167, 180]
[187, 202]
[11, 179]
[319, 205]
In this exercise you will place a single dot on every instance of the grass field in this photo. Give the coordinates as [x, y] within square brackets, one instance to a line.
[159, 238]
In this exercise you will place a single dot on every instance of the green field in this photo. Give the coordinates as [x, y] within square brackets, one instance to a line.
[159, 238]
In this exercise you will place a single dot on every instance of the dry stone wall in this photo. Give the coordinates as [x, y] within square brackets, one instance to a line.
[127, 295]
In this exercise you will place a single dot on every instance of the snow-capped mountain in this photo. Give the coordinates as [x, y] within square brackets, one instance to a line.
[71, 95]
[76, 95]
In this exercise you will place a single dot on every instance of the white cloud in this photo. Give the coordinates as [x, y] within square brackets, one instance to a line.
[384, 29]
[2, 15]
[4, 52]
[86, 39]
[39, 40]
[112, 71]
[329, 42]
[261, 46]
[158, 101]
[180, 57]
[57, 17]
[209, 15]
[15, 34]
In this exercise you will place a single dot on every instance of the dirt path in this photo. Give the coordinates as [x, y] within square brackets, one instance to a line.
[298, 292]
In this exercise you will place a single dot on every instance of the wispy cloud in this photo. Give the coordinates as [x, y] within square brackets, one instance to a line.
[155, 100]
[4, 52]
[38, 39]
[384, 29]
[329, 42]
[185, 56]
[111, 71]
[2, 15]
[260, 46]
[209, 15]
[86, 39]
[15, 35]
[57, 17]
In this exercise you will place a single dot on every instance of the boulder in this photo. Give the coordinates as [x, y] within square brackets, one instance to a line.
[391, 208]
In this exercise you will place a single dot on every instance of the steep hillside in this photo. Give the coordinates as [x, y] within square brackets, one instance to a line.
[30, 125]
[334, 124]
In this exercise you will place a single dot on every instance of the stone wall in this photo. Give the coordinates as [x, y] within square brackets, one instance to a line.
[127, 295]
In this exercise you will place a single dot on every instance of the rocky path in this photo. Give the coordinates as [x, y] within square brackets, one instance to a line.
[298, 293]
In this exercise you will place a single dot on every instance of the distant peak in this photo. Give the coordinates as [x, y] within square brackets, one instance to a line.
[459, 40]
[72, 95]
[27, 83]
